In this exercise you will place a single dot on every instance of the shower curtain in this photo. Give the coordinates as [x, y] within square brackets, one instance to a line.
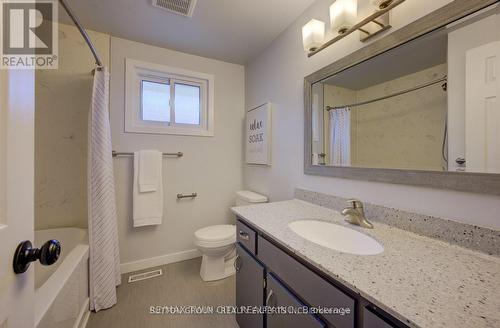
[340, 137]
[104, 269]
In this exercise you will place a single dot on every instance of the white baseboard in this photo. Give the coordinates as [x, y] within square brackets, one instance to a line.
[159, 260]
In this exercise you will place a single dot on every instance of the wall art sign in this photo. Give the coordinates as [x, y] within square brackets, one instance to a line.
[258, 135]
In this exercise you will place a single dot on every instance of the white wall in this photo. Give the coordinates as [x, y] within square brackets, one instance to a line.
[211, 166]
[277, 75]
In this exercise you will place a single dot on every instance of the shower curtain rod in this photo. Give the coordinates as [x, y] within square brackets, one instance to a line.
[84, 34]
[425, 85]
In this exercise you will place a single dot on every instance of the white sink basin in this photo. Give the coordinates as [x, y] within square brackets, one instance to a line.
[336, 237]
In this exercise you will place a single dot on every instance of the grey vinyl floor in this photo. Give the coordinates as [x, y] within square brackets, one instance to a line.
[180, 285]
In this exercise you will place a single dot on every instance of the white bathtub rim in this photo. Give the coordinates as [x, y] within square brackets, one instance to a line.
[69, 237]
[83, 316]
[46, 294]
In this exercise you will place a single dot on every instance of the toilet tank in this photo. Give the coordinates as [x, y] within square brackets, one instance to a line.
[245, 197]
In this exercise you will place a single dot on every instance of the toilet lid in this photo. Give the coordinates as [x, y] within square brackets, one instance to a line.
[216, 233]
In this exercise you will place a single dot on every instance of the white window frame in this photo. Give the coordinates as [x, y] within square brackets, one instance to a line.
[137, 71]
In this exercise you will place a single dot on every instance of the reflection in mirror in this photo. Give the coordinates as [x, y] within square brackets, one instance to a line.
[430, 104]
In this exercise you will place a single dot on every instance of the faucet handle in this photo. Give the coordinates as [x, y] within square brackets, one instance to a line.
[355, 203]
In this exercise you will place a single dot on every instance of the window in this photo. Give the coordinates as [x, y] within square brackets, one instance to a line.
[155, 101]
[187, 103]
[167, 100]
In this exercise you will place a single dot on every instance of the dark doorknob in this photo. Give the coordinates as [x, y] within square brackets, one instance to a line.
[25, 254]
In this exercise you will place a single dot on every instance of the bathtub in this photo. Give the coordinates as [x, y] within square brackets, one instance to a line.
[61, 290]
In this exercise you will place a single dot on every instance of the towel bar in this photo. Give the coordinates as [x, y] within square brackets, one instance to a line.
[181, 196]
[117, 154]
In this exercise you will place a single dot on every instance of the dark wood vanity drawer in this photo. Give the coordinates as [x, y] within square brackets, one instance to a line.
[313, 289]
[246, 237]
[278, 296]
[371, 320]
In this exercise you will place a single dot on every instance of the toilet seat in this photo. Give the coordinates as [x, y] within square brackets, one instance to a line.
[216, 236]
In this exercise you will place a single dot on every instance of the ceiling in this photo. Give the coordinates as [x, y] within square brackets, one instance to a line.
[419, 54]
[230, 30]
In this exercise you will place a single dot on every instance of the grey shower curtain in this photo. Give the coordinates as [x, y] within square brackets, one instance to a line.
[104, 263]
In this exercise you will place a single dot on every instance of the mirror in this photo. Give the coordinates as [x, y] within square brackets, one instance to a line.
[429, 104]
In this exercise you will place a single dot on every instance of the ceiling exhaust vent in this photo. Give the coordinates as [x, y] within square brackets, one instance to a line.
[181, 7]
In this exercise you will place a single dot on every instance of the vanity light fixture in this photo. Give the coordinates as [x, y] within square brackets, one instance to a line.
[313, 34]
[343, 15]
[382, 4]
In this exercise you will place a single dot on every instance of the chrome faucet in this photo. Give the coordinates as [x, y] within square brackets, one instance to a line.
[356, 215]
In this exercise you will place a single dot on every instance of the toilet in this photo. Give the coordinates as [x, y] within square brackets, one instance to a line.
[217, 243]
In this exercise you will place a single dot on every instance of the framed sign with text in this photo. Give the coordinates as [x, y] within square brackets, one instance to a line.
[258, 135]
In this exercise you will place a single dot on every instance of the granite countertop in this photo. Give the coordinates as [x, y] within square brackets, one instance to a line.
[422, 281]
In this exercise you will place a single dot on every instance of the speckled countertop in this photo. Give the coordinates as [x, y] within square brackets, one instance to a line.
[421, 281]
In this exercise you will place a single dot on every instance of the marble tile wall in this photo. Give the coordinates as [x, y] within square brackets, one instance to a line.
[62, 99]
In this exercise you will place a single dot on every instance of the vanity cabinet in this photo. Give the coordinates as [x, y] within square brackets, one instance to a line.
[265, 268]
[249, 288]
[316, 291]
[371, 320]
[279, 297]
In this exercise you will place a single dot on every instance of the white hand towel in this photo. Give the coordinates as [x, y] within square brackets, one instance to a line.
[148, 206]
[150, 162]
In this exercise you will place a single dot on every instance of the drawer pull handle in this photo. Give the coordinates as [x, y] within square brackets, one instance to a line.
[244, 235]
[269, 296]
[237, 263]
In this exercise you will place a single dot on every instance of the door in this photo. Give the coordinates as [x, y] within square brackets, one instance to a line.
[249, 288]
[482, 109]
[17, 103]
[279, 297]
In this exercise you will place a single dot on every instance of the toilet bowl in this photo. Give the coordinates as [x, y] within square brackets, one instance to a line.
[217, 243]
